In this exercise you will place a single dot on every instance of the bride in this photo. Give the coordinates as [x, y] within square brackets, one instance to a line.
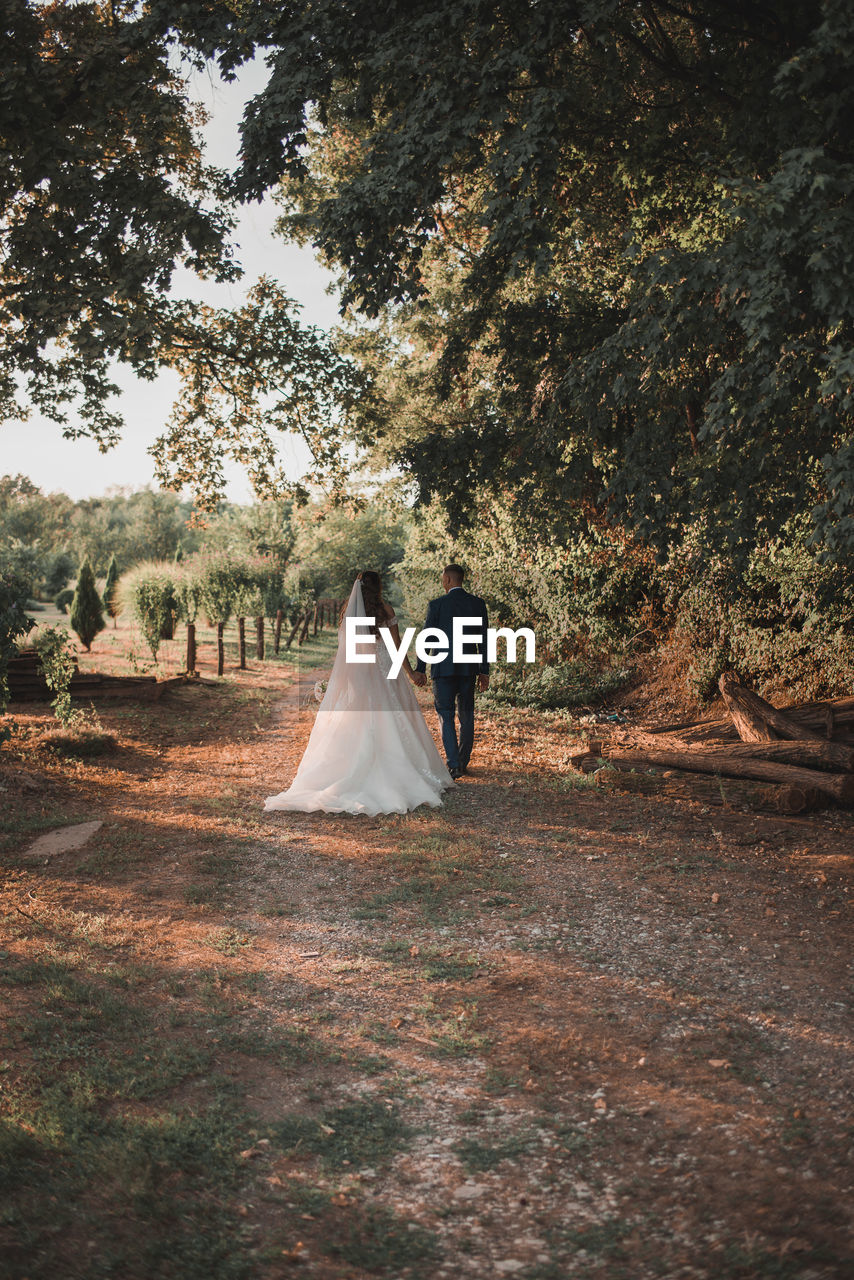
[370, 750]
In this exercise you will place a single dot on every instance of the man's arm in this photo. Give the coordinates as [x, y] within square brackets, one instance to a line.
[432, 612]
[483, 671]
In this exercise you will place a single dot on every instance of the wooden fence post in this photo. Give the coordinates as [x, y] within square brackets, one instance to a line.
[241, 635]
[259, 638]
[220, 648]
[191, 648]
[277, 634]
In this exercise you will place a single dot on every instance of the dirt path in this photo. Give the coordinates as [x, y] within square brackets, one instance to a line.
[540, 1032]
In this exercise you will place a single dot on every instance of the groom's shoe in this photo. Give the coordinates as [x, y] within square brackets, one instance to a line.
[455, 773]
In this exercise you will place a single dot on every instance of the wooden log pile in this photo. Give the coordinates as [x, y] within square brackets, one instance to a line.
[786, 759]
[27, 683]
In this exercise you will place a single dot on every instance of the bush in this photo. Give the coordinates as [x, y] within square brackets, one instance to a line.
[568, 684]
[14, 623]
[87, 618]
[152, 592]
[783, 620]
[63, 599]
[111, 597]
[56, 655]
[58, 570]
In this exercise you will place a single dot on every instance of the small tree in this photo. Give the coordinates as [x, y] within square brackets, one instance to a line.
[14, 623]
[56, 655]
[87, 618]
[150, 591]
[111, 599]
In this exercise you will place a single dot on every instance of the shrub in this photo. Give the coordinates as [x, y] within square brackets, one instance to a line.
[568, 684]
[87, 618]
[56, 655]
[111, 596]
[151, 591]
[783, 619]
[58, 570]
[14, 623]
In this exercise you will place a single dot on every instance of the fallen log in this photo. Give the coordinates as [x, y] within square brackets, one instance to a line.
[754, 718]
[838, 714]
[726, 792]
[838, 785]
[835, 757]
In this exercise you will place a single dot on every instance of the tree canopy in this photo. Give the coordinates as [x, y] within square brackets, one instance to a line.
[103, 194]
[606, 245]
[616, 237]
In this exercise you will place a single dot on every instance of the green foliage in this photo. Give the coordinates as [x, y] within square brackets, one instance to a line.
[568, 684]
[589, 596]
[247, 376]
[111, 599]
[63, 599]
[784, 619]
[151, 592]
[14, 623]
[86, 618]
[335, 542]
[56, 656]
[103, 196]
[618, 275]
[58, 568]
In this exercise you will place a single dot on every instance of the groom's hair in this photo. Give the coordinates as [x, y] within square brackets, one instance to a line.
[455, 571]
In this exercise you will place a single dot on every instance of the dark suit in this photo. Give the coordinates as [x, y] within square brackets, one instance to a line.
[453, 683]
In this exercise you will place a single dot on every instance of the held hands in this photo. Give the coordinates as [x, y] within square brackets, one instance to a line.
[418, 678]
[483, 683]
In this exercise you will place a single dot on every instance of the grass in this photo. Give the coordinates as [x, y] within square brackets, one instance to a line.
[363, 1133]
[435, 868]
[381, 1243]
[95, 1142]
[479, 1157]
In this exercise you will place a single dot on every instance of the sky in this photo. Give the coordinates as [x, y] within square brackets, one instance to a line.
[37, 448]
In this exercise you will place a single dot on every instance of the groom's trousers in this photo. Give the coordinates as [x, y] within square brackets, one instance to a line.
[447, 691]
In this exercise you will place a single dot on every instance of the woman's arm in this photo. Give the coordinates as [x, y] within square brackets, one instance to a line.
[395, 635]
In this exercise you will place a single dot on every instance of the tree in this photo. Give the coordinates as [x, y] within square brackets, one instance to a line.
[14, 624]
[625, 250]
[335, 542]
[111, 601]
[86, 617]
[103, 195]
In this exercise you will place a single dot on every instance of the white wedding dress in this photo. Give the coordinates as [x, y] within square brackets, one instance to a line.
[370, 750]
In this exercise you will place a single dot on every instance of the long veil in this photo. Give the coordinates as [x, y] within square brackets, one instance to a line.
[370, 750]
[346, 688]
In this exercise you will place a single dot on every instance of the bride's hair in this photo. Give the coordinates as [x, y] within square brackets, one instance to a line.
[372, 594]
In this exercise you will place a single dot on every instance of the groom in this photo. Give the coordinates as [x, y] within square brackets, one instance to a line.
[454, 682]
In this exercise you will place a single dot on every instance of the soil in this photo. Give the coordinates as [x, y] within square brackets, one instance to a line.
[613, 1031]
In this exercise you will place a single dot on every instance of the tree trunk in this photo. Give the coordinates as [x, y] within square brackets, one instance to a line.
[304, 631]
[835, 757]
[294, 630]
[191, 648]
[715, 791]
[839, 786]
[259, 638]
[837, 715]
[754, 718]
[316, 615]
[241, 638]
[277, 633]
[220, 648]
